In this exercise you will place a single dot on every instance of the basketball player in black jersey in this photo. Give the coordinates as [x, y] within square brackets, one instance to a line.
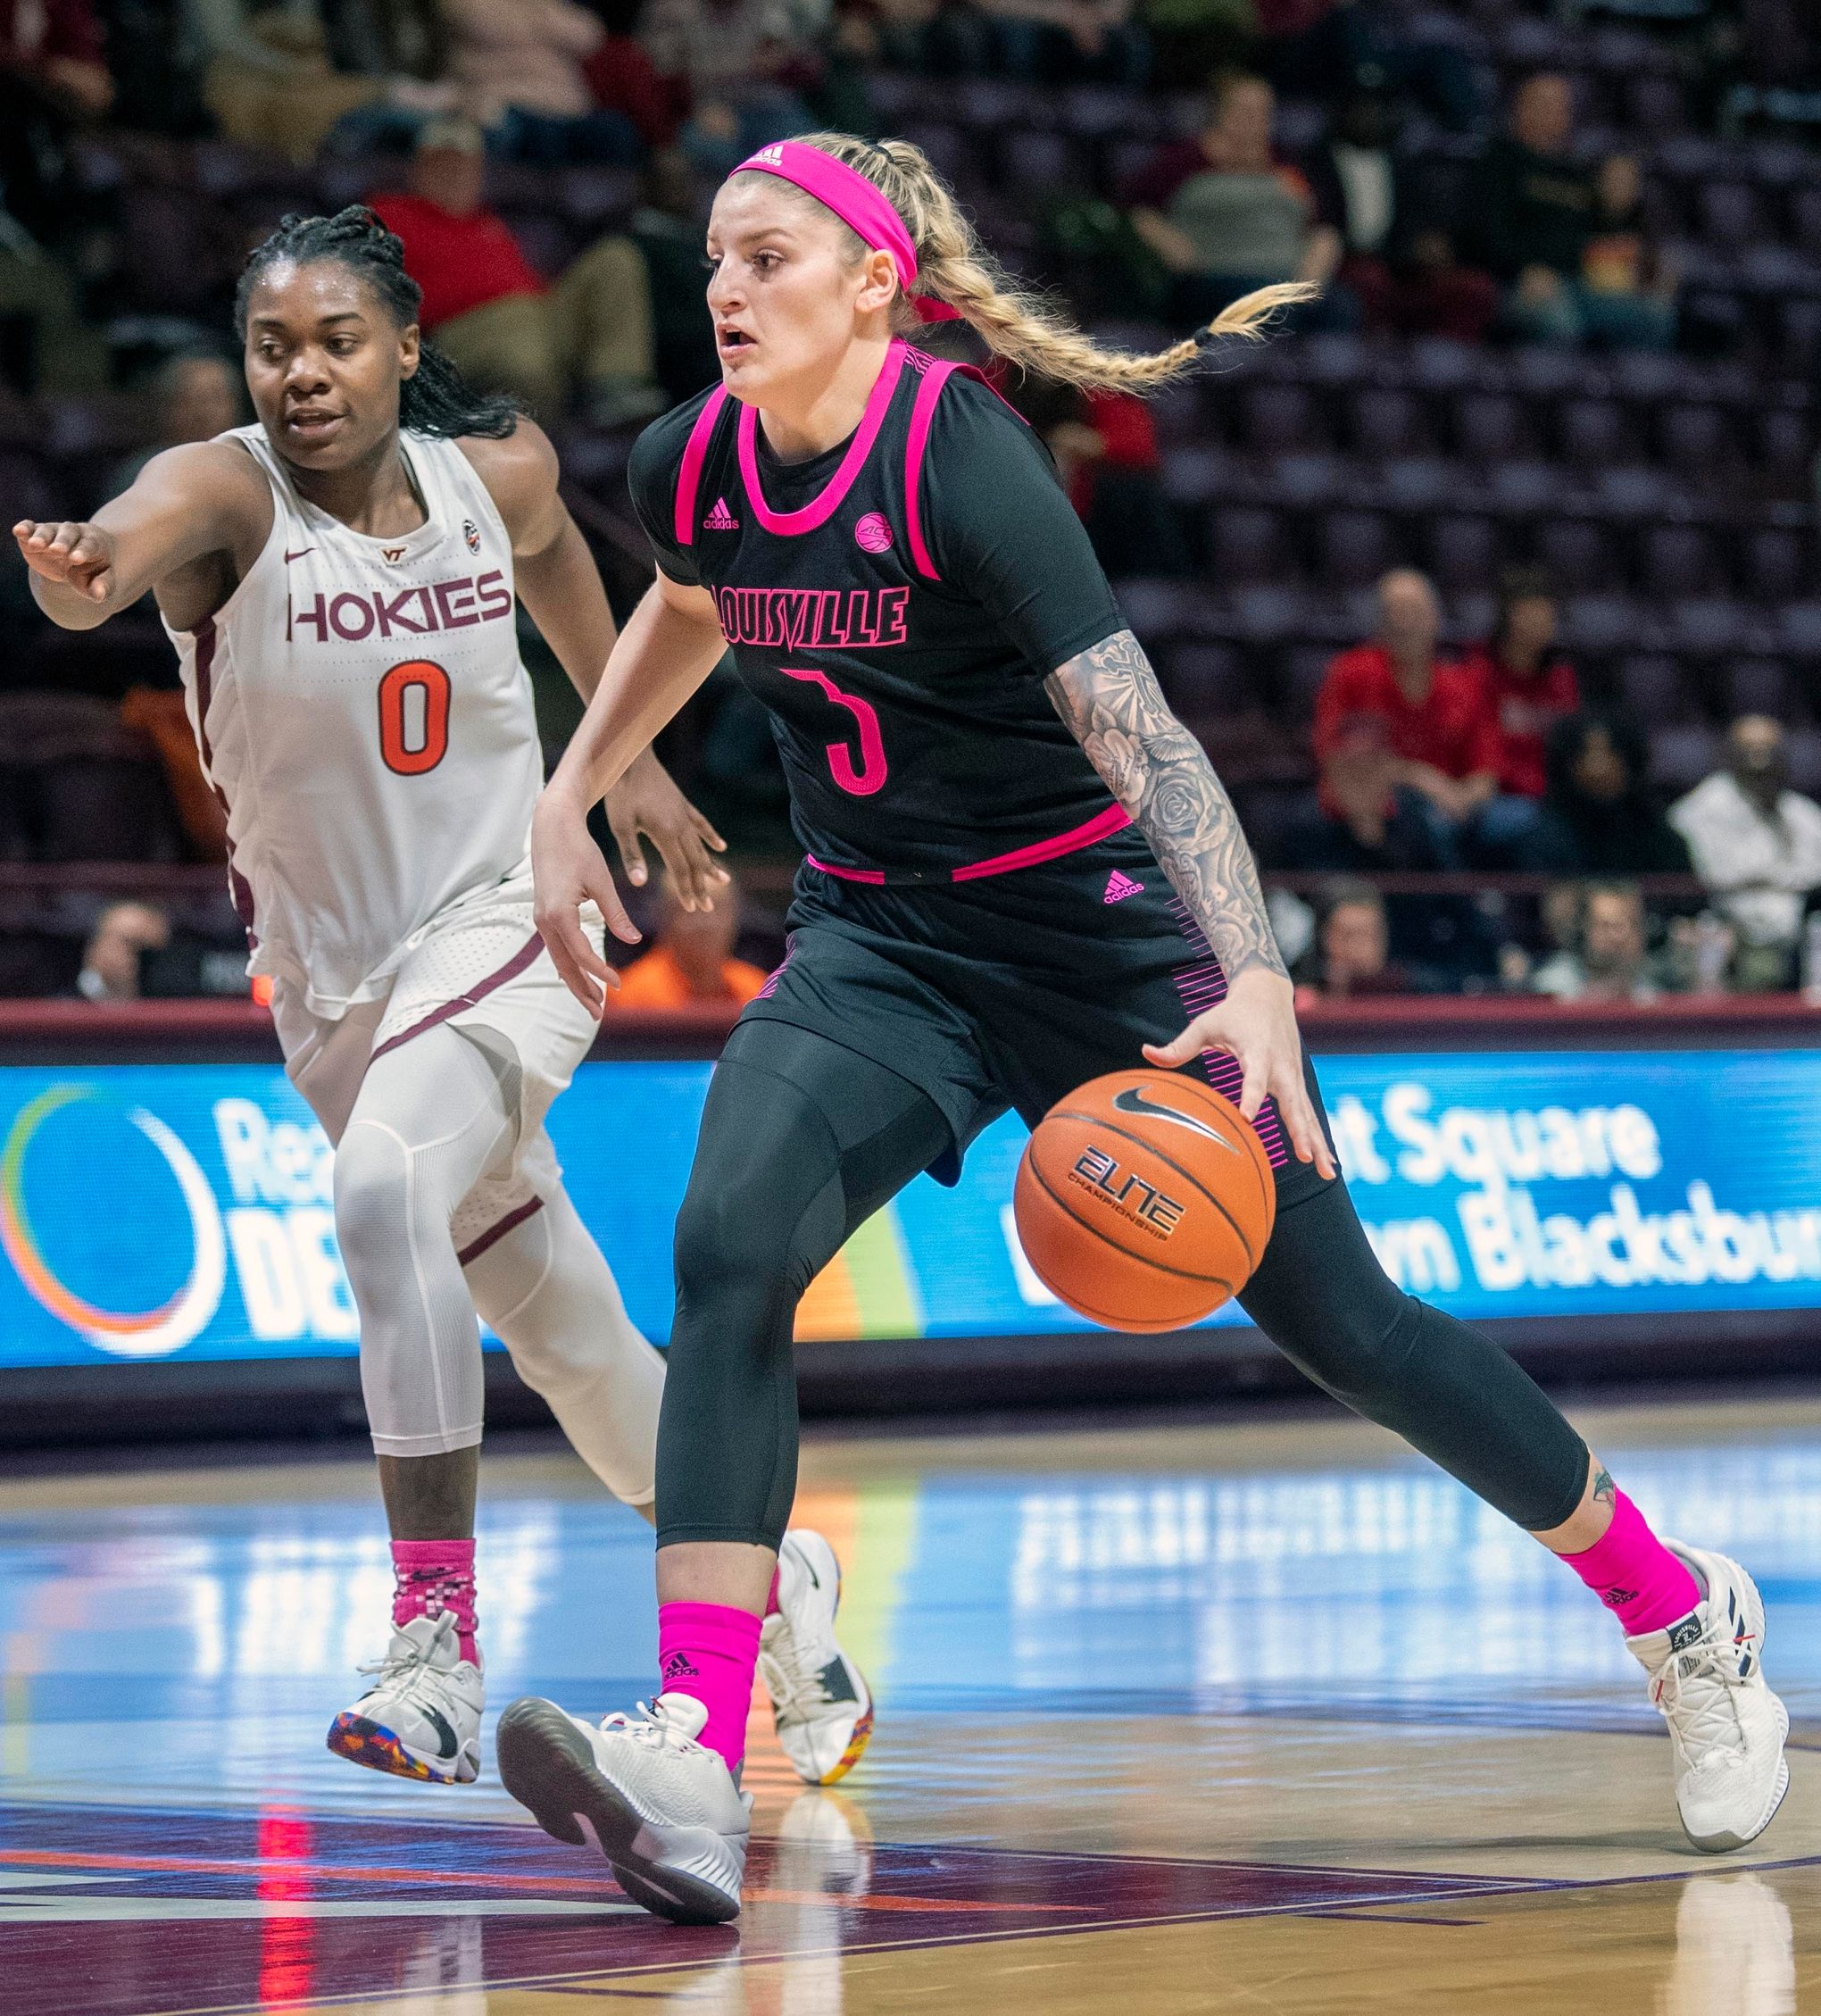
[1021, 872]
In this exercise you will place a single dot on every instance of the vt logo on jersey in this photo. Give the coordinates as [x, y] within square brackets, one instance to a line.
[392, 554]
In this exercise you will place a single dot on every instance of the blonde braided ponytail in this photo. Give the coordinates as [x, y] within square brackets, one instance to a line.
[1023, 328]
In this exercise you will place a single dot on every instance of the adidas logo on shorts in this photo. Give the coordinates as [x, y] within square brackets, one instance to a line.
[720, 518]
[1120, 886]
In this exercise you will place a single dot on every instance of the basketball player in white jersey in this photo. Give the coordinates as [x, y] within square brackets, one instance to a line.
[339, 582]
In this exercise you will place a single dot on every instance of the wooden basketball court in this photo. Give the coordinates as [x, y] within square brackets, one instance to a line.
[1243, 1718]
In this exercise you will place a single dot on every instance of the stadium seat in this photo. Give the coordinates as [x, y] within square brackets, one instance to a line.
[1464, 555]
[1677, 560]
[1354, 548]
[1246, 544]
[1651, 688]
[1577, 554]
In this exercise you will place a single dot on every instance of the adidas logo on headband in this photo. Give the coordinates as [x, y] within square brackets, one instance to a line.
[772, 156]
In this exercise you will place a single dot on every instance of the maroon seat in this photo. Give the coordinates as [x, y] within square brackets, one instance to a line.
[1274, 419]
[1464, 555]
[1759, 685]
[1354, 548]
[1245, 546]
[1677, 560]
[1578, 554]
[1652, 688]
[1775, 564]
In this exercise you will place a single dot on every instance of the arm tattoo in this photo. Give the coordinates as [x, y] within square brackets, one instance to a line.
[1109, 699]
[1605, 1491]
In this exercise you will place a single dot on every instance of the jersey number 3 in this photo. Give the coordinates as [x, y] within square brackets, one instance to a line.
[871, 774]
[414, 717]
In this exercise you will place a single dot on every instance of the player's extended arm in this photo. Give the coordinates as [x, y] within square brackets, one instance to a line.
[671, 641]
[560, 587]
[183, 504]
[1109, 699]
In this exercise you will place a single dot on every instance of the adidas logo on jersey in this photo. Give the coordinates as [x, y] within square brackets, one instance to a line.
[1120, 886]
[720, 518]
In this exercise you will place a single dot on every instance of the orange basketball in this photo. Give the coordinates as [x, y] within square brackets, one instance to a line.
[1144, 1200]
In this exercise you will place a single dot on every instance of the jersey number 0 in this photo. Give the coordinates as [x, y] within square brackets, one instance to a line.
[414, 717]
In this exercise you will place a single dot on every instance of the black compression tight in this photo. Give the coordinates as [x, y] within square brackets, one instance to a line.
[803, 1139]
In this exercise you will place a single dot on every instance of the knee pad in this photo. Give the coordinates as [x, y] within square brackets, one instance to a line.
[373, 1170]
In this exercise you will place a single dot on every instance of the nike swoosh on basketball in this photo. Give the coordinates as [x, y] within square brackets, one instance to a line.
[1132, 1100]
[300, 551]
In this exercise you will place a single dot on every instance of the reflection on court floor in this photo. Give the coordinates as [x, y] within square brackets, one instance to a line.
[1265, 1718]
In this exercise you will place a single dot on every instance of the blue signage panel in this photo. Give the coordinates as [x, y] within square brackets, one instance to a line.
[150, 1211]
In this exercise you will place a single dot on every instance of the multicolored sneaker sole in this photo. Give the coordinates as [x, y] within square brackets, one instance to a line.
[367, 1743]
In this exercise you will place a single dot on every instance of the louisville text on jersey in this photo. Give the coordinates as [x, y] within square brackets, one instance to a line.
[812, 619]
[356, 614]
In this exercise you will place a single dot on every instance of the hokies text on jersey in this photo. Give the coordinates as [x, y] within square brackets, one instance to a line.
[356, 614]
[813, 619]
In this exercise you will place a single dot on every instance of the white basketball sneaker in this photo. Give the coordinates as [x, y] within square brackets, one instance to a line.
[820, 1703]
[663, 1810]
[422, 1717]
[1725, 1726]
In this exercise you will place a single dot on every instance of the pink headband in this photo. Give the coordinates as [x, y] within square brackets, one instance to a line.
[859, 204]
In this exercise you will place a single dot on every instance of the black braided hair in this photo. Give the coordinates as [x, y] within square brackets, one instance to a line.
[438, 400]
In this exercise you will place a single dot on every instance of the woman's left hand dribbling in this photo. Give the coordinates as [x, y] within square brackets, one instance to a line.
[1257, 1024]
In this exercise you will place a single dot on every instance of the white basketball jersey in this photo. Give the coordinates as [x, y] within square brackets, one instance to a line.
[362, 713]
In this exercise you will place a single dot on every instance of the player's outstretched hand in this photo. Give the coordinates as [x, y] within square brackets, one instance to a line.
[79, 555]
[646, 801]
[1257, 1023]
[568, 870]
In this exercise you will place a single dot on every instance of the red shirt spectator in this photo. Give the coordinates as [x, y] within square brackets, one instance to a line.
[459, 252]
[1524, 706]
[1453, 729]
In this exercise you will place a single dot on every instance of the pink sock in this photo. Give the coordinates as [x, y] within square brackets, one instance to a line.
[430, 1576]
[771, 1594]
[1634, 1575]
[710, 1652]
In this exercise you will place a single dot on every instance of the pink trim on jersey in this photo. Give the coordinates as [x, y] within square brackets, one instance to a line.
[694, 453]
[1201, 987]
[511, 971]
[498, 1229]
[922, 418]
[1114, 818]
[788, 524]
[876, 876]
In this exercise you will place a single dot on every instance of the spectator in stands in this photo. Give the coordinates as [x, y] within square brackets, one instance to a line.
[523, 65]
[1598, 816]
[194, 395]
[492, 312]
[667, 227]
[1536, 211]
[1624, 268]
[1531, 686]
[1757, 845]
[1068, 41]
[271, 83]
[123, 935]
[741, 65]
[1104, 445]
[624, 79]
[1224, 216]
[1401, 265]
[692, 964]
[53, 81]
[1351, 955]
[1610, 960]
[1434, 715]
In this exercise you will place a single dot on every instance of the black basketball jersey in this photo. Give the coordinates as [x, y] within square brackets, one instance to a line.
[896, 605]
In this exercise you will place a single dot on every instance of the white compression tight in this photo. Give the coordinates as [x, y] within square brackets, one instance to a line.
[432, 1117]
